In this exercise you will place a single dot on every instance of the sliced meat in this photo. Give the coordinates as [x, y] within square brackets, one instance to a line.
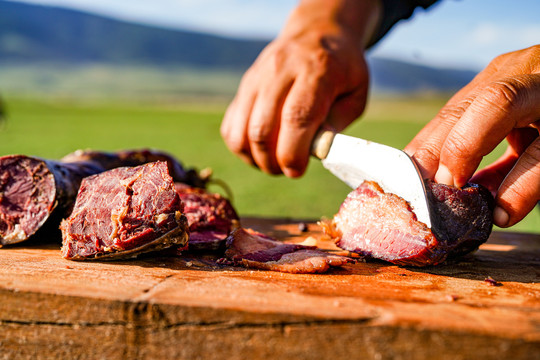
[35, 192]
[210, 216]
[248, 248]
[123, 212]
[32, 190]
[380, 225]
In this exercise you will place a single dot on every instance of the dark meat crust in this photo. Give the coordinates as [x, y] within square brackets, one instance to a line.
[123, 212]
[383, 226]
[462, 218]
[251, 249]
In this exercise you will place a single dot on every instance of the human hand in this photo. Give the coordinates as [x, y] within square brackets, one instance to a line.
[313, 73]
[502, 101]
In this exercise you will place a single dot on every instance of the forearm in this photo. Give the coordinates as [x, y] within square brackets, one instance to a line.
[356, 18]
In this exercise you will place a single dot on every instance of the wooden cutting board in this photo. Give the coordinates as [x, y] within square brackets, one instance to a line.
[189, 308]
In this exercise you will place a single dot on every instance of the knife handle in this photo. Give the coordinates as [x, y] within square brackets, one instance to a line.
[321, 143]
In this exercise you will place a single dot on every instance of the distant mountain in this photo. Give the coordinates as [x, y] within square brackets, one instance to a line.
[397, 76]
[31, 34]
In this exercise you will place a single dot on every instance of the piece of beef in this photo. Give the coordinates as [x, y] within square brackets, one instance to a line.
[36, 191]
[373, 223]
[123, 212]
[251, 249]
[33, 190]
[210, 216]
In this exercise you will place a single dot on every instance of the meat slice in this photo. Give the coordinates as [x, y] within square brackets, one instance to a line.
[32, 190]
[123, 212]
[376, 224]
[248, 248]
[36, 191]
[210, 217]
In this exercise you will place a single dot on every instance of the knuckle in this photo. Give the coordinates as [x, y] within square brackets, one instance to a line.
[259, 135]
[427, 153]
[299, 116]
[235, 144]
[453, 112]
[502, 95]
[427, 156]
[456, 147]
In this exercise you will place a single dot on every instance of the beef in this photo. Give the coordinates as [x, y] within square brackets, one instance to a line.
[210, 217]
[380, 225]
[124, 212]
[33, 190]
[36, 191]
[251, 249]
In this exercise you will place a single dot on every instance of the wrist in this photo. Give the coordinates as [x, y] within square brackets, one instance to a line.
[358, 19]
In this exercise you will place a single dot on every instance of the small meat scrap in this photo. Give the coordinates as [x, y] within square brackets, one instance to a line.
[210, 217]
[381, 225]
[492, 282]
[124, 212]
[251, 249]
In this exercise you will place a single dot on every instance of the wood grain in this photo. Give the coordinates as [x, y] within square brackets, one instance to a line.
[191, 308]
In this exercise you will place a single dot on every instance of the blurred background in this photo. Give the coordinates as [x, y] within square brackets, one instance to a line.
[121, 74]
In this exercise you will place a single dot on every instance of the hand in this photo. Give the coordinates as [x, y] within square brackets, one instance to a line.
[503, 101]
[313, 73]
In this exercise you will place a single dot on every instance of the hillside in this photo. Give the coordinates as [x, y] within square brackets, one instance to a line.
[30, 33]
[45, 44]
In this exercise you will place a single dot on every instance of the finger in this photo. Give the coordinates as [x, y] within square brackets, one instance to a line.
[263, 126]
[347, 108]
[520, 190]
[235, 121]
[502, 106]
[493, 175]
[304, 111]
[426, 146]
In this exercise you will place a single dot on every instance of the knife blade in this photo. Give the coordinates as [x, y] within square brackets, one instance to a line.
[354, 160]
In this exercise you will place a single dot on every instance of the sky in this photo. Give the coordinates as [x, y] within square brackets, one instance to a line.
[464, 34]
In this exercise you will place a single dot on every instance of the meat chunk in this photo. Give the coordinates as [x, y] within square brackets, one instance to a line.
[210, 217]
[248, 248]
[376, 224]
[123, 212]
[35, 192]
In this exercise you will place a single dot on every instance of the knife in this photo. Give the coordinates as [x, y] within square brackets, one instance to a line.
[355, 160]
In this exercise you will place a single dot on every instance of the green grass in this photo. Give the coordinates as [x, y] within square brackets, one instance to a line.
[52, 127]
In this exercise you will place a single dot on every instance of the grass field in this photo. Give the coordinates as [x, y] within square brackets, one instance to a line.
[53, 127]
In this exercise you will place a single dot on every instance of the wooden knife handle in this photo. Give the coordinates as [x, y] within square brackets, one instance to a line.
[321, 143]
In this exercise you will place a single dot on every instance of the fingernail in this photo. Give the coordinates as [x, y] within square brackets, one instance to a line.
[443, 176]
[500, 216]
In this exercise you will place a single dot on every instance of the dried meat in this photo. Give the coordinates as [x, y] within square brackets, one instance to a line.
[251, 249]
[380, 225]
[123, 212]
